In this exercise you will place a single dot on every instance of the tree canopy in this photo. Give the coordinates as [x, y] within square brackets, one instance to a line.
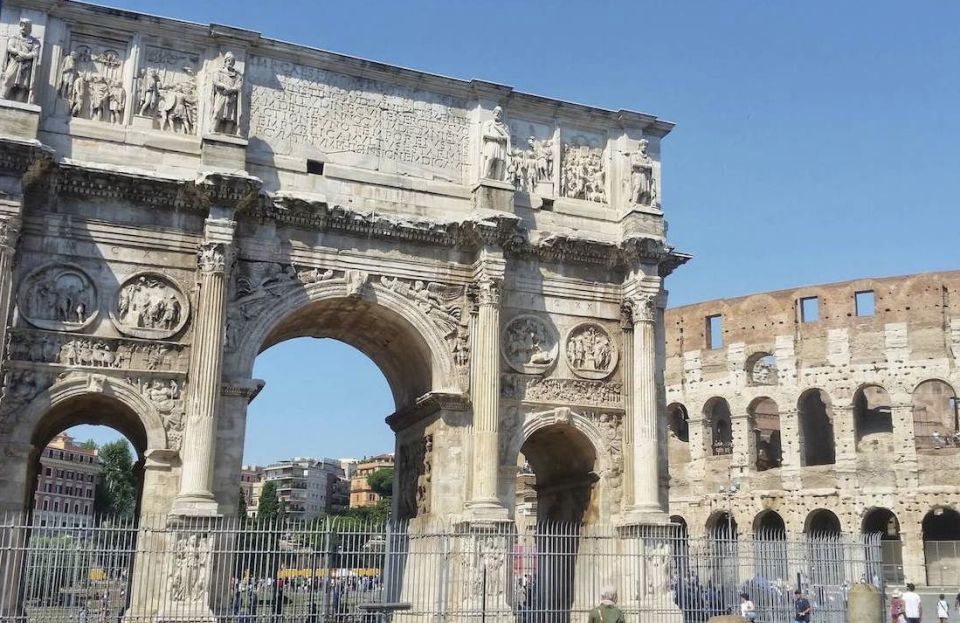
[116, 493]
[381, 481]
[268, 508]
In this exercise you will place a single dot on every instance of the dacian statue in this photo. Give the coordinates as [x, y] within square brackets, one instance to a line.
[643, 189]
[496, 147]
[22, 53]
[226, 96]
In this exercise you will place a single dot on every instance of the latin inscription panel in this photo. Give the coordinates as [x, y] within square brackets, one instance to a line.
[295, 107]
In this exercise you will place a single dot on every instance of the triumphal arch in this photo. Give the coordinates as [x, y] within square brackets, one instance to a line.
[176, 198]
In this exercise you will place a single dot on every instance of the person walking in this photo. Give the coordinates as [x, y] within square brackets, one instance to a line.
[943, 609]
[607, 611]
[747, 608]
[896, 608]
[801, 607]
[912, 606]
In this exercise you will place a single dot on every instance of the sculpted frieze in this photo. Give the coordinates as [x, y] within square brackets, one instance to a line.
[167, 397]
[190, 569]
[58, 296]
[582, 169]
[94, 352]
[294, 108]
[20, 386]
[150, 305]
[572, 391]
[90, 79]
[530, 167]
[167, 89]
[415, 468]
[590, 351]
[529, 344]
[441, 303]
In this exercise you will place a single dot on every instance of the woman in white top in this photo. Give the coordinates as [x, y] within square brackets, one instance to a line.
[747, 609]
[943, 609]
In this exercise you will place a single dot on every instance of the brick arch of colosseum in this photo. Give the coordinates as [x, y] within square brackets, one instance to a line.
[880, 364]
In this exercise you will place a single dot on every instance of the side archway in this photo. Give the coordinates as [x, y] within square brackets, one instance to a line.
[936, 416]
[941, 546]
[765, 424]
[718, 427]
[817, 443]
[882, 521]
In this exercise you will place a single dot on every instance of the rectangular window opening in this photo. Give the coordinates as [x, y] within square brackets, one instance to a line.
[714, 331]
[314, 167]
[809, 309]
[866, 303]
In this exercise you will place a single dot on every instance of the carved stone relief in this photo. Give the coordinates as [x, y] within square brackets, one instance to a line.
[20, 386]
[227, 82]
[57, 296]
[167, 89]
[295, 107]
[611, 429]
[23, 50]
[414, 469]
[573, 391]
[531, 164]
[150, 305]
[495, 147]
[442, 304]
[190, 569]
[167, 397]
[529, 345]
[90, 79]
[590, 351]
[582, 169]
[94, 352]
[643, 183]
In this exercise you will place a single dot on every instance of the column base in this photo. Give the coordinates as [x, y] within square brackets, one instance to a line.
[645, 516]
[195, 505]
[485, 509]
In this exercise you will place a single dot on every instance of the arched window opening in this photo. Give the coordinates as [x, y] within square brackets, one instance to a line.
[769, 525]
[936, 416]
[816, 428]
[765, 422]
[322, 399]
[822, 522]
[882, 521]
[719, 429]
[941, 546]
[770, 546]
[762, 369]
[722, 526]
[678, 422]
[872, 416]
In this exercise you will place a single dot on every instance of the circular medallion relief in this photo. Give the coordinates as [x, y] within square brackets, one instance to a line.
[59, 297]
[529, 345]
[590, 351]
[149, 305]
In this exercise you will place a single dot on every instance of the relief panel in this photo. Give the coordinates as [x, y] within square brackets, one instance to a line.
[529, 345]
[149, 305]
[167, 89]
[59, 297]
[583, 167]
[90, 79]
[531, 166]
[590, 351]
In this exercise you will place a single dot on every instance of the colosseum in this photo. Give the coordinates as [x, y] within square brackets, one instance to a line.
[827, 409]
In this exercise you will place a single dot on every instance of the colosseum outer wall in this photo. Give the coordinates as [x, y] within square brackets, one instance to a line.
[838, 397]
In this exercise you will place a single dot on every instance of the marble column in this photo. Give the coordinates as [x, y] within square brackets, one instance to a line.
[626, 325]
[9, 234]
[642, 406]
[485, 395]
[206, 364]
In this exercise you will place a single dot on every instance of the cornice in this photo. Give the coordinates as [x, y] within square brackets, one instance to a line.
[425, 406]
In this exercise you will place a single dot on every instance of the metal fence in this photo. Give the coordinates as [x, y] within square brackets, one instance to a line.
[162, 569]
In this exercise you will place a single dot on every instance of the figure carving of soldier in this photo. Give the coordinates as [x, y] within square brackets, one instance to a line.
[68, 75]
[496, 146]
[149, 93]
[226, 96]
[22, 53]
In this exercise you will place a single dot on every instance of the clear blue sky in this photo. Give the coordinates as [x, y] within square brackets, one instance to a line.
[815, 141]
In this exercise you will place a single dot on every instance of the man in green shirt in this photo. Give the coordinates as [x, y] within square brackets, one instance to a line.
[607, 611]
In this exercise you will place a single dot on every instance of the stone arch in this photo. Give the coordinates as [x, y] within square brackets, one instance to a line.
[769, 523]
[882, 521]
[872, 412]
[82, 399]
[722, 524]
[678, 422]
[817, 442]
[941, 545]
[718, 426]
[385, 325]
[822, 521]
[934, 403]
[761, 369]
[587, 463]
[765, 425]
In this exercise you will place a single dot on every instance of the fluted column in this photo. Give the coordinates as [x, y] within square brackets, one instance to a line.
[642, 405]
[206, 364]
[626, 325]
[485, 394]
[9, 234]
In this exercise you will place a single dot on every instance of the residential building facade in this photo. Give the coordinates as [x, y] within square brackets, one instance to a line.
[66, 483]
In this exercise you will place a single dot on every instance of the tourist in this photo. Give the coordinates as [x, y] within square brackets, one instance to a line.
[896, 608]
[747, 609]
[802, 607]
[912, 608]
[943, 609]
[956, 603]
[607, 611]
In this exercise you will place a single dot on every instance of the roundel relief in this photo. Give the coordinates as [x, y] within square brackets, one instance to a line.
[590, 352]
[149, 305]
[60, 297]
[529, 345]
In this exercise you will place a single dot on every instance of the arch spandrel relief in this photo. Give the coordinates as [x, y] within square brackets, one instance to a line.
[150, 305]
[58, 297]
[529, 344]
[590, 351]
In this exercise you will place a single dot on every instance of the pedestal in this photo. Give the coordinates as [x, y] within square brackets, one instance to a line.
[493, 195]
[142, 122]
[225, 153]
[644, 587]
[187, 572]
[19, 120]
[482, 588]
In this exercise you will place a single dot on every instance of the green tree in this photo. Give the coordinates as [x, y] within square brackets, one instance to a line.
[242, 506]
[381, 481]
[268, 508]
[116, 492]
[89, 444]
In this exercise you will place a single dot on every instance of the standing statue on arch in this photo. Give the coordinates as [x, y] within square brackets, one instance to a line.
[226, 96]
[496, 147]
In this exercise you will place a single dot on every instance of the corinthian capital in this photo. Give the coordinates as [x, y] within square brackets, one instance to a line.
[212, 257]
[640, 308]
[489, 291]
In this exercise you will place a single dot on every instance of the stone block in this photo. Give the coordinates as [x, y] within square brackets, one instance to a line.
[222, 152]
[19, 120]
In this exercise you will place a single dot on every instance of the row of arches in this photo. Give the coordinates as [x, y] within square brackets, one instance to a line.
[935, 417]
